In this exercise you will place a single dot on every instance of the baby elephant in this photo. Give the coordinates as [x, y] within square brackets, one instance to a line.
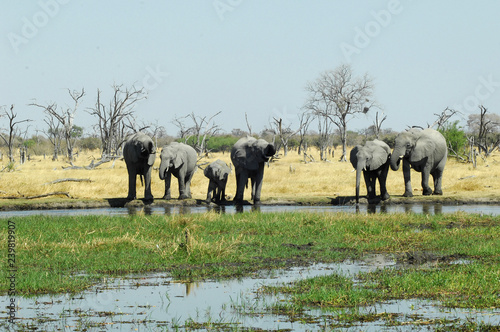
[373, 159]
[217, 172]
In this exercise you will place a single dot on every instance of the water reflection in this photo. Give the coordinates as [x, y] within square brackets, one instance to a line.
[425, 208]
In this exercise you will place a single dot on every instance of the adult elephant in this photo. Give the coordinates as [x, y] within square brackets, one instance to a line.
[425, 151]
[179, 160]
[217, 172]
[373, 160]
[139, 153]
[248, 156]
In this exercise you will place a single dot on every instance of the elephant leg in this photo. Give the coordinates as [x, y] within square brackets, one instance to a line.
[426, 190]
[168, 179]
[211, 189]
[223, 191]
[252, 182]
[132, 178]
[257, 185]
[148, 196]
[382, 179]
[182, 187]
[187, 185]
[370, 184]
[241, 179]
[407, 178]
[437, 175]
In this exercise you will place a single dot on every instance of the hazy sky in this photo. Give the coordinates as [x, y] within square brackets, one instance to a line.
[238, 56]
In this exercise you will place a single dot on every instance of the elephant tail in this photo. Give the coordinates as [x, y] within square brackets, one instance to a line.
[142, 179]
[246, 185]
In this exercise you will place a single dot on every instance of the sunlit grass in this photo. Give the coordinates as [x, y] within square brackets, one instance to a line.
[287, 178]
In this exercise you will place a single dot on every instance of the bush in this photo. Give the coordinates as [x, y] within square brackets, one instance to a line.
[455, 138]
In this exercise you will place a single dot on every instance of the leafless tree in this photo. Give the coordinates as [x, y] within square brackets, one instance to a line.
[377, 125]
[443, 117]
[248, 125]
[338, 96]
[111, 120]
[305, 120]
[65, 118]
[54, 134]
[13, 130]
[199, 132]
[284, 133]
[486, 128]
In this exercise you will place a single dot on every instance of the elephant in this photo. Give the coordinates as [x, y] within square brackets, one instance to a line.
[373, 160]
[217, 172]
[178, 159]
[248, 156]
[139, 153]
[425, 151]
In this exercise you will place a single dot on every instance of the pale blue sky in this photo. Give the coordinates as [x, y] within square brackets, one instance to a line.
[238, 56]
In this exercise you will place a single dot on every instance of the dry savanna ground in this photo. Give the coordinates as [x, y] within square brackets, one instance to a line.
[288, 178]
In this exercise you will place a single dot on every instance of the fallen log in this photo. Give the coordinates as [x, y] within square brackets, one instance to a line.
[38, 196]
[68, 180]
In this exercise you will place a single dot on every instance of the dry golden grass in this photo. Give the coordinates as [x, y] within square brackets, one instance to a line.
[288, 178]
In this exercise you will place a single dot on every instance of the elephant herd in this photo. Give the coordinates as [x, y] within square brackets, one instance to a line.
[248, 156]
[424, 150]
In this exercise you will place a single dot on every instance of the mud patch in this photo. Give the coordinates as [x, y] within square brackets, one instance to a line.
[422, 257]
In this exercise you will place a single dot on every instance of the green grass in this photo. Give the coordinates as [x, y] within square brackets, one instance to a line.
[52, 253]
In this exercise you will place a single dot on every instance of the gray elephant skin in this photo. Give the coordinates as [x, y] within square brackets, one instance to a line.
[217, 172]
[425, 151]
[179, 160]
[249, 156]
[139, 153]
[372, 159]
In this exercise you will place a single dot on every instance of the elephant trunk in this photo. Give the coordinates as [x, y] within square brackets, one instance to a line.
[359, 169]
[396, 156]
[163, 169]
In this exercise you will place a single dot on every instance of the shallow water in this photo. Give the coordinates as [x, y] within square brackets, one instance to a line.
[155, 302]
[427, 208]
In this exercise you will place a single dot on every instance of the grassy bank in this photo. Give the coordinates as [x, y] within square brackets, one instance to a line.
[68, 254]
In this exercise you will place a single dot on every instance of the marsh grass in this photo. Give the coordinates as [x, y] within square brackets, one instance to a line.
[307, 181]
[68, 254]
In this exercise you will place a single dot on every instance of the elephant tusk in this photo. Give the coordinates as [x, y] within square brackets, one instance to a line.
[353, 170]
[401, 157]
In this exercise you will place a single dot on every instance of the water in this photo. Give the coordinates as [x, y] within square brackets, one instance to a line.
[156, 302]
[427, 208]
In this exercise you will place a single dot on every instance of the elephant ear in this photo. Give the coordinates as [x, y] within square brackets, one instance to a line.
[178, 159]
[246, 157]
[353, 158]
[152, 153]
[424, 148]
[379, 157]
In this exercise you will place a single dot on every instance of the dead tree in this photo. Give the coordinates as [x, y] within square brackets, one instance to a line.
[13, 130]
[111, 125]
[284, 133]
[54, 134]
[337, 96]
[377, 125]
[199, 132]
[486, 129]
[305, 119]
[65, 118]
[442, 118]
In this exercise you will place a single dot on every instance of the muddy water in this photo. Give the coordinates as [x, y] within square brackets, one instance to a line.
[154, 302]
[427, 208]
